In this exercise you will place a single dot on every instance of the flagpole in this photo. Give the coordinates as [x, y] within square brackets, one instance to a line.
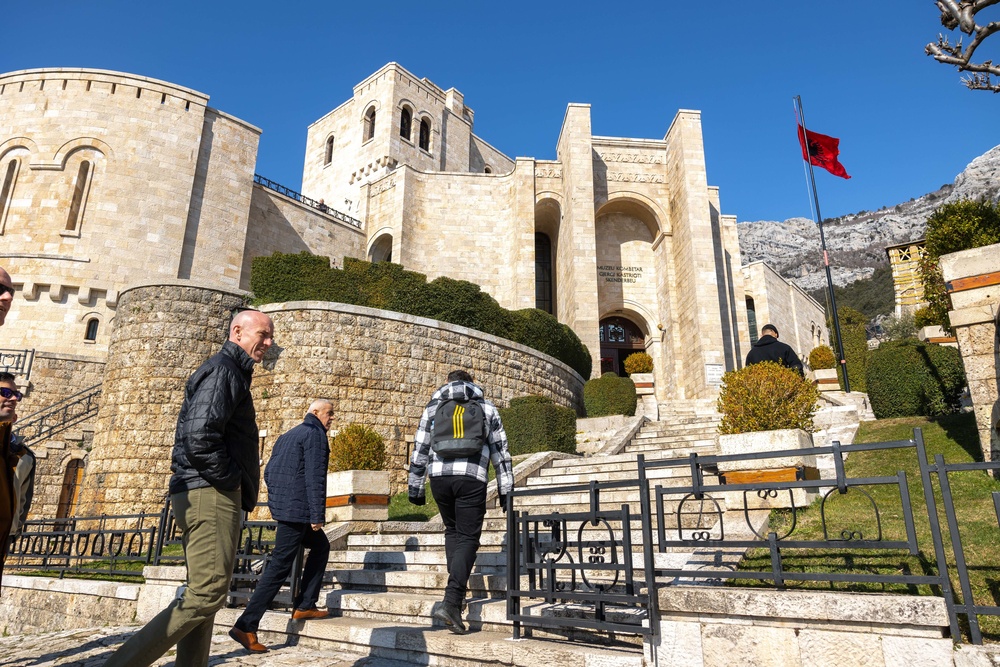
[822, 242]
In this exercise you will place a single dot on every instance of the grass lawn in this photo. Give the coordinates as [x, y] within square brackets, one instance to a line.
[956, 438]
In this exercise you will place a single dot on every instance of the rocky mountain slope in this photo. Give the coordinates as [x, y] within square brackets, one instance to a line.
[792, 246]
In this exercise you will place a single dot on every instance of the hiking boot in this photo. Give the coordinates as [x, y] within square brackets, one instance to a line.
[309, 614]
[248, 640]
[451, 616]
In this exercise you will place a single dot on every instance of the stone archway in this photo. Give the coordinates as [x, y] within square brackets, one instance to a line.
[619, 337]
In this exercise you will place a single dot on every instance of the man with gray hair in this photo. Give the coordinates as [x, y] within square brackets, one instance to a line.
[296, 493]
[216, 473]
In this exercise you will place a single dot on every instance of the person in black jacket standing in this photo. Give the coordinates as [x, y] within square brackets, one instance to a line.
[216, 472]
[296, 488]
[769, 348]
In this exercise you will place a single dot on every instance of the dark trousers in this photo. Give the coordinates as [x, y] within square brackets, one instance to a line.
[287, 540]
[462, 501]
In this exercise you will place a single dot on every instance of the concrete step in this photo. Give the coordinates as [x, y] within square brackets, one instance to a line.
[616, 472]
[418, 644]
[431, 561]
[678, 434]
[696, 446]
[405, 581]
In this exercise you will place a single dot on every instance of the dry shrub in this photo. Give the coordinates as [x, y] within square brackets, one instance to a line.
[766, 397]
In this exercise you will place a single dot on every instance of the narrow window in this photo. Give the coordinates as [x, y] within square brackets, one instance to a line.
[70, 492]
[425, 134]
[92, 325]
[328, 156]
[752, 321]
[8, 187]
[543, 273]
[370, 123]
[114, 87]
[405, 120]
[79, 197]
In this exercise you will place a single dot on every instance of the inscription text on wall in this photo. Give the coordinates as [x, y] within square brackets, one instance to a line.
[619, 274]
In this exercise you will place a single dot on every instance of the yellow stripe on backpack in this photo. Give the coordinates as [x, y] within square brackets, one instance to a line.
[457, 427]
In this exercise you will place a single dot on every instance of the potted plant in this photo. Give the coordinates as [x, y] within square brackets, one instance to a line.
[766, 407]
[357, 484]
[824, 366]
[639, 367]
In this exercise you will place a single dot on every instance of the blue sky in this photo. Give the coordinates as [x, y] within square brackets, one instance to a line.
[905, 122]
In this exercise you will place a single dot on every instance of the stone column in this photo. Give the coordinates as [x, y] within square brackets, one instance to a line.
[161, 334]
[973, 281]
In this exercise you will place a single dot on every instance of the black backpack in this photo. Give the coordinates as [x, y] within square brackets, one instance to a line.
[459, 429]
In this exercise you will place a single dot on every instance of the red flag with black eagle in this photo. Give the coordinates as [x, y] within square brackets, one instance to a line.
[822, 151]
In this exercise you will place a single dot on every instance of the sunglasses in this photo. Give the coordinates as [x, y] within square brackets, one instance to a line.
[6, 392]
[6, 289]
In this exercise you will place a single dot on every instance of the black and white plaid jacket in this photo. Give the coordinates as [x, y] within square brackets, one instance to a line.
[494, 451]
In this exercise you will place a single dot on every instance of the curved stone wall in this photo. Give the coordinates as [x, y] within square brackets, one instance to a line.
[162, 334]
[379, 368]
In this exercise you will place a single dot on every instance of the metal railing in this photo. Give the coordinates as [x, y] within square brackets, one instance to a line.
[60, 416]
[17, 362]
[302, 199]
[582, 558]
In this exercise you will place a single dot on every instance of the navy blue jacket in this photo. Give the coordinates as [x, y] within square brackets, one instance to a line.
[215, 443]
[296, 474]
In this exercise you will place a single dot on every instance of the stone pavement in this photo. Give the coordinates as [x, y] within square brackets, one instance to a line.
[91, 647]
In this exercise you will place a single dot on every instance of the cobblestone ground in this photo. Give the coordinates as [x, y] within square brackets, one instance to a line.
[91, 647]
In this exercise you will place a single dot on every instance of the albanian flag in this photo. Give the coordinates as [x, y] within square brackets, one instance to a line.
[822, 151]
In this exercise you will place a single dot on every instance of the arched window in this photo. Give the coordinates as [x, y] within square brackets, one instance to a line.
[425, 134]
[381, 250]
[405, 120]
[92, 325]
[77, 206]
[488, 170]
[70, 492]
[9, 176]
[752, 321]
[543, 273]
[370, 123]
[328, 157]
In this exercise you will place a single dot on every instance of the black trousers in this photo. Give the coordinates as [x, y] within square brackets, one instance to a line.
[287, 540]
[462, 501]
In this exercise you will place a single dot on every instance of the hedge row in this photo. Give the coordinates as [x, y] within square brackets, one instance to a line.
[536, 424]
[387, 286]
[609, 395]
[908, 378]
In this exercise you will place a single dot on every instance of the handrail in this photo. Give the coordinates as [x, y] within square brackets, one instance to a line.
[59, 416]
[302, 199]
[17, 362]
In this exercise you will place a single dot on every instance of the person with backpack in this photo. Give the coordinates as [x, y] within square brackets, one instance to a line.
[459, 435]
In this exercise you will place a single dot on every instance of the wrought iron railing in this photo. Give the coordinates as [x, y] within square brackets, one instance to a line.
[60, 416]
[17, 362]
[582, 558]
[302, 199]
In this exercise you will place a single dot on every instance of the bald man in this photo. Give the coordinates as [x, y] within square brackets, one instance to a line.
[296, 494]
[216, 473]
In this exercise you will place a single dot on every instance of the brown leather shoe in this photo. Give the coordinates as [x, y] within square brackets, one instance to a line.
[309, 614]
[248, 640]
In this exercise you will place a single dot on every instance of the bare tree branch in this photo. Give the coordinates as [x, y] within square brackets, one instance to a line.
[961, 14]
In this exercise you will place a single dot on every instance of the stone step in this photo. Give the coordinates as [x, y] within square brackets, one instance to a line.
[616, 472]
[419, 644]
[697, 446]
[603, 462]
[679, 433]
[406, 581]
[434, 561]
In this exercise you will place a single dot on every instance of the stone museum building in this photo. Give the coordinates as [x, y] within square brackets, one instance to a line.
[109, 181]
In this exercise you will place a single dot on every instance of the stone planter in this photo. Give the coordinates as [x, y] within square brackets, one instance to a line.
[645, 390]
[357, 495]
[826, 379]
[783, 469]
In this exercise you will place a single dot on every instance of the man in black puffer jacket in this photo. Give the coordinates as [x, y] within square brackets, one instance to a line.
[769, 348]
[216, 473]
[296, 495]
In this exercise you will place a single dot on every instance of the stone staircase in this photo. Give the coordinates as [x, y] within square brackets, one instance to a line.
[383, 586]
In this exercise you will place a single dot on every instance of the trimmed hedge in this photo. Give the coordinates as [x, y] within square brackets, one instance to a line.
[537, 424]
[357, 447]
[766, 396]
[909, 378]
[822, 357]
[388, 286]
[609, 395]
[852, 328]
[638, 362]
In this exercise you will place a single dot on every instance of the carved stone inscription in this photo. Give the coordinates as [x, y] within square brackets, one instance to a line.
[619, 274]
[634, 178]
[635, 158]
[383, 186]
[548, 172]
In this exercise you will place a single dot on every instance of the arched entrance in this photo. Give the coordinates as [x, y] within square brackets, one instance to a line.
[619, 338]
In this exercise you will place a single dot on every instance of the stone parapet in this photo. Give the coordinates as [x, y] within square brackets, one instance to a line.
[37, 604]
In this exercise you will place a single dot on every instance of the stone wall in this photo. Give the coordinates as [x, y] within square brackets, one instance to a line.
[42, 604]
[973, 281]
[162, 333]
[380, 368]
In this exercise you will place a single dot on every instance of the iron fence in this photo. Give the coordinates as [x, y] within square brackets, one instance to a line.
[17, 362]
[698, 530]
[302, 199]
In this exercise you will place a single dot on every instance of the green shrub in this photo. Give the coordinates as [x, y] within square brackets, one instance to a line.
[357, 447]
[638, 362]
[822, 357]
[389, 286]
[910, 378]
[766, 397]
[852, 328]
[609, 395]
[537, 424]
